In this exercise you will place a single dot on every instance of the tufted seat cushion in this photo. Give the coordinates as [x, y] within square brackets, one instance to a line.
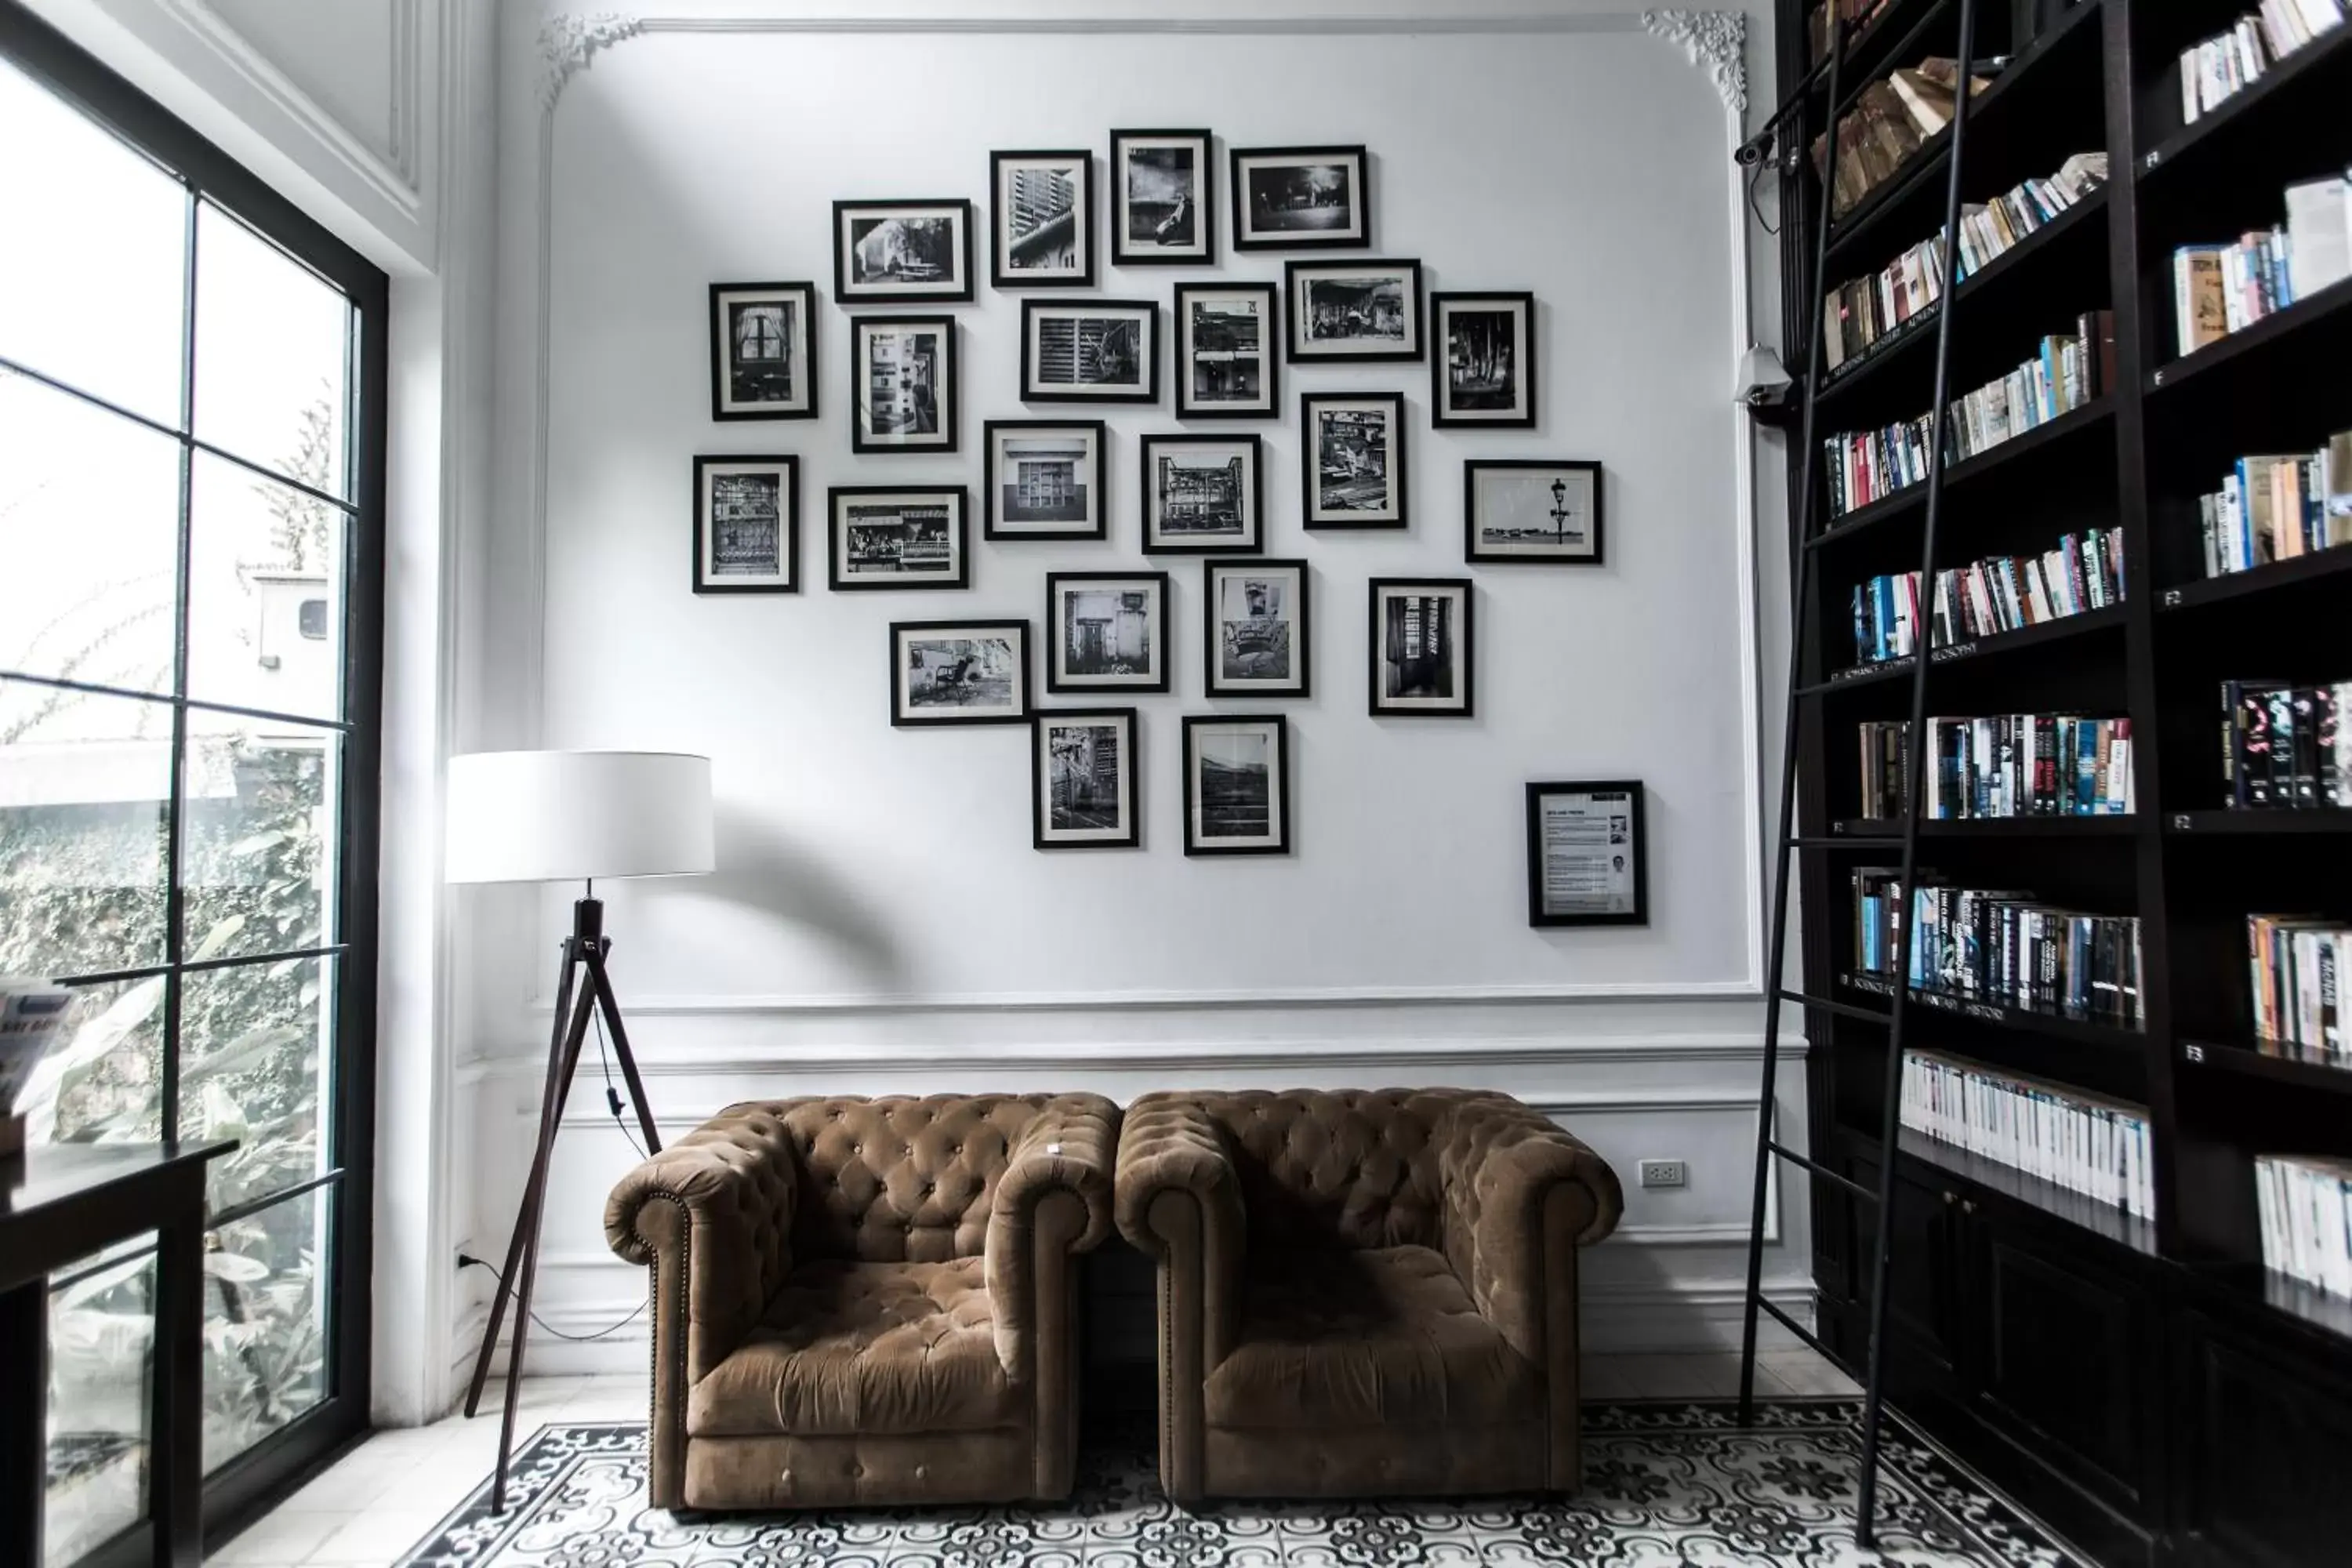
[1374, 1337]
[863, 1348]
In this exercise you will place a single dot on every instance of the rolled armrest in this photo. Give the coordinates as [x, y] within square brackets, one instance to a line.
[1178, 1191]
[1518, 1187]
[1066, 1151]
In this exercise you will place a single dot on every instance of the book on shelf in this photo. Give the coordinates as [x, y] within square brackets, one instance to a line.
[2217, 290]
[2295, 969]
[2277, 507]
[2006, 766]
[2220, 67]
[2081, 1142]
[1985, 598]
[1861, 312]
[1830, 14]
[2286, 746]
[2306, 1203]
[1889, 121]
[2064, 375]
[1998, 946]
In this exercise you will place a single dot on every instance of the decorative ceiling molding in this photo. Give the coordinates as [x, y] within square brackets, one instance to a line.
[567, 42]
[1715, 41]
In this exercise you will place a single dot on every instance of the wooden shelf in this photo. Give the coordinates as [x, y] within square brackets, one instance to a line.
[2000, 1015]
[2257, 821]
[2107, 618]
[2079, 1209]
[2304, 1066]
[2298, 569]
[2331, 304]
[2281, 81]
[1914, 497]
[2109, 827]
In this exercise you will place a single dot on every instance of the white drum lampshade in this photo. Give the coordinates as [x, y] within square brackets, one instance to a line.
[569, 817]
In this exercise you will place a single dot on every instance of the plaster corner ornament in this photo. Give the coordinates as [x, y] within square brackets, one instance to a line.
[568, 41]
[1714, 40]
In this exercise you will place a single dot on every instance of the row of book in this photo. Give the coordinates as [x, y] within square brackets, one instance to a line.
[2219, 69]
[1998, 946]
[1831, 14]
[1887, 122]
[2065, 374]
[2297, 967]
[2005, 765]
[2275, 508]
[2286, 746]
[2081, 1142]
[1985, 598]
[2217, 290]
[1863, 312]
[2306, 1212]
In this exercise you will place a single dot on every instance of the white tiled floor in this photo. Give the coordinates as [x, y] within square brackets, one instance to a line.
[381, 1498]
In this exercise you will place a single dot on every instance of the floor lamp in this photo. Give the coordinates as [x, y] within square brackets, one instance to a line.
[569, 817]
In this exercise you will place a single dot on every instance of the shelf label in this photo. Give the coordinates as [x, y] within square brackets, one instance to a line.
[2182, 822]
[2172, 598]
[2155, 156]
[2193, 1053]
[1956, 650]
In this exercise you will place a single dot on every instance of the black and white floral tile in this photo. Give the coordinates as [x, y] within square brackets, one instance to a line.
[1666, 1486]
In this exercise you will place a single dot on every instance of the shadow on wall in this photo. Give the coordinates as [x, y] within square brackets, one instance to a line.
[782, 879]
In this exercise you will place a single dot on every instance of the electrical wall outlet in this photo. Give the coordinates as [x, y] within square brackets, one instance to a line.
[1663, 1172]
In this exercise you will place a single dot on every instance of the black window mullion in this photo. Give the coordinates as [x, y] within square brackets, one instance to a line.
[174, 830]
[99, 689]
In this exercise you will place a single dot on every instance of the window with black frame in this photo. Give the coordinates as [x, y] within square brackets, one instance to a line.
[190, 563]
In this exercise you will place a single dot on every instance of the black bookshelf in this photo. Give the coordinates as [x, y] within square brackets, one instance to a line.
[2148, 1386]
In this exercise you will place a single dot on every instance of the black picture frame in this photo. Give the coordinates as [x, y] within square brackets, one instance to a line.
[956, 289]
[1214, 682]
[1279, 840]
[1002, 208]
[1397, 478]
[904, 708]
[948, 409]
[1128, 251]
[1245, 162]
[960, 539]
[1268, 404]
[1462, 652]
[1521, 413]
[1130, 763]
[1252, 540]
[707, 578]
[1036, 313]
[1156, 633]
[995, 482]
[1531, 554]
[1299, 280]
[727, 403]
[1539, 912]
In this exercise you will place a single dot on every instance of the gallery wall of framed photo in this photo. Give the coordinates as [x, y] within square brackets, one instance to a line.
[1176, 492]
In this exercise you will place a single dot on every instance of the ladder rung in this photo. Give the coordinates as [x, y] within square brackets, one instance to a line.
[1823, 1171]
[1843, 1009]
[1846, 841]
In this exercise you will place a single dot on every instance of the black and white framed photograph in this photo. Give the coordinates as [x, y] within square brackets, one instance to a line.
[902, 379]
[747, 525]
[959, 672]
[1085, 779]
[897, 536]
[1532, 511]
[1587, 854]
[1482, 361]
[1044, 479]
[1257, 642]
[1353, 312]
[1200, 495]
[762, 351]
[1092, 351]
[1300, 198]
[1352, 459]
[1106, 631]
[1162, 201]
[1420, 640]
[912, 251]
[1225, 364]
[1236, 784]
[1042, 220]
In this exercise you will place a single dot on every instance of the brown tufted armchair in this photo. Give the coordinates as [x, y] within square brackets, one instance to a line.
[868, 1301]
[1362, 1294]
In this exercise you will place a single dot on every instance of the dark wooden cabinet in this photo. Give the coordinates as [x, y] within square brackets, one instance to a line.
[2267, 1460]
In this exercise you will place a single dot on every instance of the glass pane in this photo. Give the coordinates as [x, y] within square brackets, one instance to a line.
[257, 854]
[265, 1323]
[102, 1328]
[252, 1039]
[85, 782]
[105, 1082]
[97, 302]
[265, 594]
[89, 540]
[269, 354]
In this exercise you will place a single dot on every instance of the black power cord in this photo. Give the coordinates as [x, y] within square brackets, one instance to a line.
[467, 1261]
